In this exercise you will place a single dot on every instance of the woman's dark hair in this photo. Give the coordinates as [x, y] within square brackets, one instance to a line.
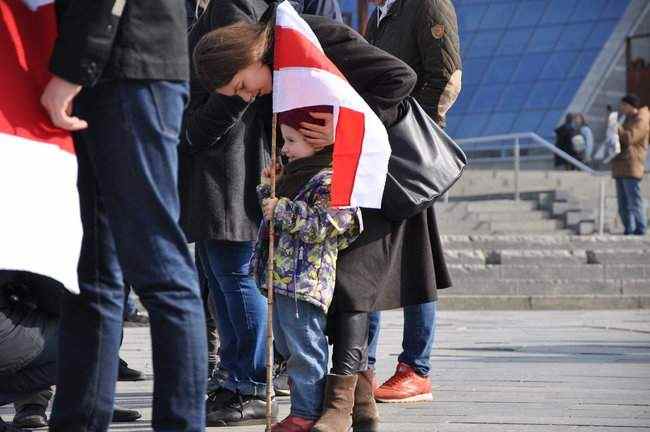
[223, 52]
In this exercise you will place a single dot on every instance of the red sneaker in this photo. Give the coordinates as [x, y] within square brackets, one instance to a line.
[405, 386]
[293, 424]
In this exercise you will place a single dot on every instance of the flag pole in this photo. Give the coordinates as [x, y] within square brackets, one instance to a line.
[269, 286]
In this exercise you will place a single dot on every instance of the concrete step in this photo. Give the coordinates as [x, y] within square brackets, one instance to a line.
[549, 272]
[548, 256]
[545, 241]
[462, 215]
[500, 206]
[523, 302]
[525, 226]
[479, 286]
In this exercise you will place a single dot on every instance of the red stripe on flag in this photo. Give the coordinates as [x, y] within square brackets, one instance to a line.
[293, 49]
[25, 49]
[350, 130]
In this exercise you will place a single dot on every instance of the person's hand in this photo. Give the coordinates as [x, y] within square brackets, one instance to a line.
[319, 136]
[57, 98]
[266, 174]
[268, 207]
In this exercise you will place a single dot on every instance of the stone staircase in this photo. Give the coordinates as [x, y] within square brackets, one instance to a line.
[514, 272]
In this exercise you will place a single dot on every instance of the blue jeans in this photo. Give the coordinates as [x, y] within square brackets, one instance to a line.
[301, 341]
[631, 208]
[127, 181]
[417, 339]
[240, 314]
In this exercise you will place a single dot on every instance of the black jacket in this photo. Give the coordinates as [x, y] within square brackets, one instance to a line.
[430, 46]
[226, 142]
[120, 39]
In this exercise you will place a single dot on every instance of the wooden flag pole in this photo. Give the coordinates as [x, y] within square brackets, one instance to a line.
[269, 286]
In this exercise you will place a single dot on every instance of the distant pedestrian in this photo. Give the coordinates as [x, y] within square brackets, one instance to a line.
[628, 167]
[431, 47]
[585, 150]
[564, 135]
[612, 145]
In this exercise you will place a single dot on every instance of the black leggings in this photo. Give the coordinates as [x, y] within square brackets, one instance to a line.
[350, 350]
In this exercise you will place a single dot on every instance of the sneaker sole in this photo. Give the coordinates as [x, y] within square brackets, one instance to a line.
[428, 397]
[251, 422]
[282, 392]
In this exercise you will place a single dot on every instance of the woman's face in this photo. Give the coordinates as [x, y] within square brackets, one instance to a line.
[249, 83]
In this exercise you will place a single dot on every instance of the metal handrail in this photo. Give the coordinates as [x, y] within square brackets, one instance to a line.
[541, 142]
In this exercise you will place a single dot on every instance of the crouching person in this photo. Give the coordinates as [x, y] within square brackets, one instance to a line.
[309, 236]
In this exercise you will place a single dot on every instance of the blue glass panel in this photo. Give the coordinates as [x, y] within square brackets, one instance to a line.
[464, 99]
[602, 31]
[498, 16]
[515, 41]
[514, 97]
[545, 38]
[474, 70]
[485, 43]
[559, 65]
[500, 123]
[568, 92]
[543, 94]
[588, 10]
[531, 67]
[472, 125]
[501, 69]
[558, 11]
[466, 41]
[549, 123]
[615, 9]
[584, 63]
[528, 121]
[486, 98]
[575, 35]
[469, 17]
[528, 13]
[452, 124]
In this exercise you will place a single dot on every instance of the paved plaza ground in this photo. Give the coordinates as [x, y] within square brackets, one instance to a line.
[529, 371]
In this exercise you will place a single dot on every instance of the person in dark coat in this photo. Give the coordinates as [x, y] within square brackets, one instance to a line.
[563, 140]
[120, 71]
[378, 268]
[432, 49]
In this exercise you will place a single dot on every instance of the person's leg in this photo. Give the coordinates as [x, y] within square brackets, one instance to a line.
[132, 144]
[246, 309]
[636, 206]
[418, 336]
[208, 310]
[374, 328]
[622, 201]
[30, 411]
[308, 353]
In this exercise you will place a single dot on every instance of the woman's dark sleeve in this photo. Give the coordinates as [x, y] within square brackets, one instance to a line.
[380, 78]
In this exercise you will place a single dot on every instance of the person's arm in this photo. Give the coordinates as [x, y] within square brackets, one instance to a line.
[439, 82]
[381, 79]
[633, 135]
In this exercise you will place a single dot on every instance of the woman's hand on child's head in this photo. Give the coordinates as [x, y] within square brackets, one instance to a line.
[268, 207]
[319, 136]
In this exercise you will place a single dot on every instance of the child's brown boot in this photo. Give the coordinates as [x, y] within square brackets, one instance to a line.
[338, 403]
[365, 417]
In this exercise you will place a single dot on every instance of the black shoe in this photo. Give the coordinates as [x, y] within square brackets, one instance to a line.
[123, 415]
[136, 319]
[242, 410]
[281, 380]
[125, 373]
[4, 427]
[218, 398]
[30, 417]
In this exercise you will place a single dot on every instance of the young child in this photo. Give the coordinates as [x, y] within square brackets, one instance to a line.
[309, 235]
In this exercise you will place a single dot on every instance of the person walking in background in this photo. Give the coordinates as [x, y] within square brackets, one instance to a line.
[563, 140]
[585, 132]
[612, 145]
[432, 49]
[123, 93]
[628, 167]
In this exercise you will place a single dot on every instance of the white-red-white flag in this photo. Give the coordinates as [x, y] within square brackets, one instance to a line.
[40, 228]
[304, 76]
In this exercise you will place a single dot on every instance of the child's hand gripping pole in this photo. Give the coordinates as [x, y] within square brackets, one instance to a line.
[269, 286]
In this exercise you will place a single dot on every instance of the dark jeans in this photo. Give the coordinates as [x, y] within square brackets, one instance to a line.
[417, 340]
[241, 313]
[127, 181]
[631, 208]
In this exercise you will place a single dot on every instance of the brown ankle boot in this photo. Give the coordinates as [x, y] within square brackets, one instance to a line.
[365, 417]
[338, 403]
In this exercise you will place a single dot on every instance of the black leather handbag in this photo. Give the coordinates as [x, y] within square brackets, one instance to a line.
[425, 162]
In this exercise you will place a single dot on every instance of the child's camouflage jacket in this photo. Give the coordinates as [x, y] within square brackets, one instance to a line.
[309, 235]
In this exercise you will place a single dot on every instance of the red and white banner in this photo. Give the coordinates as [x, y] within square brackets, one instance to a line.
[40, 228]
[303, 76]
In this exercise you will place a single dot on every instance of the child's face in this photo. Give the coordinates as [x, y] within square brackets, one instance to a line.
[295, 146]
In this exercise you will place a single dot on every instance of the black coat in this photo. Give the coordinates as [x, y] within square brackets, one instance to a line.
[431, 47]
[116, 39]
